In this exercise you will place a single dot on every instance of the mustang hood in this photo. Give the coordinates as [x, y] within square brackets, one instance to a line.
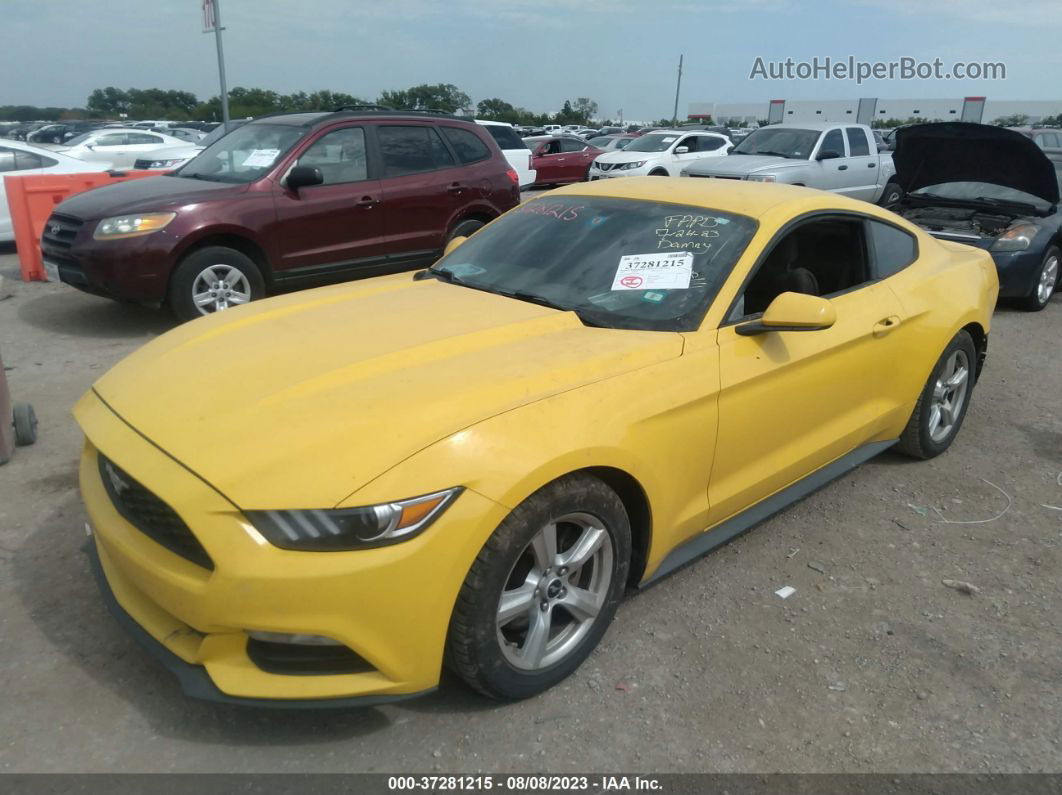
[933, 154]
[149, 194]
[297, 401]
[739, 165]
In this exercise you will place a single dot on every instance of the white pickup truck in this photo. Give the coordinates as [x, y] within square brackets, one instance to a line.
[842, 158]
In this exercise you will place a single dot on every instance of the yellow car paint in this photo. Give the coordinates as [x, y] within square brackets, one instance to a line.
[390, 388]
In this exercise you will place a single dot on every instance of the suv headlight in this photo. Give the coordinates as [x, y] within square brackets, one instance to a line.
[352, 528]
[636, 164]
[762, 177]
[131, 225]
[1017, 238]
[166, 163]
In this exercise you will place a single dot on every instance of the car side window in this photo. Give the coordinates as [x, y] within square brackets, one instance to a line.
[410, 149]
[824, 257]
[112, 139]
[832, 142]
[24, 161]
[7, 159]
[340, 156]
[1047, 140]
[469, 148]
[892, 249]
[857, 142]
[571, 145]
[142, 138]
[709, 143]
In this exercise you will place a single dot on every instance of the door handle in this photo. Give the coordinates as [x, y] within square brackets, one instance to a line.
[455, 187]
[842, 168]
[872, 165]
[885, 325]
[367, 201]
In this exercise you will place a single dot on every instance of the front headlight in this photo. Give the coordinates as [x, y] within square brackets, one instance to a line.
[636, 164]
[762, 177]
[1017, 238]
[131, 225]
[166, 163]
[352, 528]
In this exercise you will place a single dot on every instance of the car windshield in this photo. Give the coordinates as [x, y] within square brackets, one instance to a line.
[778, 141]
[981, 191]
[653, 142]
[617, 263]
[220, 131]
[623, 143]
[244, 155]
[80, 139]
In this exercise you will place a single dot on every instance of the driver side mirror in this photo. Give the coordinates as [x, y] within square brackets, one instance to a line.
[454, 243]
[681, 150]
[828, 154]
[304, 177]
[792, 312]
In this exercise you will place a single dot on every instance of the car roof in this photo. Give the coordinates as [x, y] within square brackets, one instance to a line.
[313, 118]
[811, 125]
[486, 123]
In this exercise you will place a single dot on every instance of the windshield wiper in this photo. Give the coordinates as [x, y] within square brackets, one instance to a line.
[774, 154]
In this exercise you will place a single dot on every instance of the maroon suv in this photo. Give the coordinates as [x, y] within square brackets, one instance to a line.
[286, 201]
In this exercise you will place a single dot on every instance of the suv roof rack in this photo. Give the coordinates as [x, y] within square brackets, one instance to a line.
[342, 108]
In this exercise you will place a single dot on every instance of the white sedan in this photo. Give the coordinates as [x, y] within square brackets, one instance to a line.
[23, 160]
[120, 147]
[662, 153]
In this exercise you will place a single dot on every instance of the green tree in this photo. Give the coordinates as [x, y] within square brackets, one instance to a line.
[585, 108]
[109, 101]
[497, 110]
[440, 96]
[1014, 120]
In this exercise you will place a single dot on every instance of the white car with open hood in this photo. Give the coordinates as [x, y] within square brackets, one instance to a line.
[663, 153]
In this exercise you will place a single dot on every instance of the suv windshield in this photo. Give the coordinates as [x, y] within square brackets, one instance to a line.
[218, 132]
[779, 141]
[617, 263]
[653, 142]
[244, 155]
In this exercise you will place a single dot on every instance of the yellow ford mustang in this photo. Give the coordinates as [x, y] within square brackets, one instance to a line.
[326, 496]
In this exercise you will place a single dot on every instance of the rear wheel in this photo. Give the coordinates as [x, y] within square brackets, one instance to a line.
[213, 279]
[542, 591]
[941, 407]
[1045, 283]
[25, 420]
[465, 229]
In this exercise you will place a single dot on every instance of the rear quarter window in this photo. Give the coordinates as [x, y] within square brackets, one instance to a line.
[892, 249]
[506, 137]
[469, 147]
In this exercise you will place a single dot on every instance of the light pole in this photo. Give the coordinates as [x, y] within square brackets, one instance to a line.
[212, 23]
[678, 85]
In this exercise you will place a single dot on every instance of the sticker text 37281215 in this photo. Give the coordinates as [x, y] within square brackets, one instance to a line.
[671, 271]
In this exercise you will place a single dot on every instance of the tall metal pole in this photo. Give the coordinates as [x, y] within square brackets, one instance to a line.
[221, 65]
[678, 86]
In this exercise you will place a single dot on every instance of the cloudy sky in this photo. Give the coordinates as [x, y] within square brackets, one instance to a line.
[534, 53]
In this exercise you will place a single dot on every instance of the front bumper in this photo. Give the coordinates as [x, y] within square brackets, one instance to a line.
[1018, 271]
[391, 606]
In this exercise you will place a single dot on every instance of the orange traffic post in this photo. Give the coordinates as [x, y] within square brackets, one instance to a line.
[32, 199]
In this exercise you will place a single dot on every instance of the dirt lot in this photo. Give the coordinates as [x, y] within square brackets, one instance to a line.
[872, 665]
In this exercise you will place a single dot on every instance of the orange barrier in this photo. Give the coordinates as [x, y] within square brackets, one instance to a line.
[32, 199]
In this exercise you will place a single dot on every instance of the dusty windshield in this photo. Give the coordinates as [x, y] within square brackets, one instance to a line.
[778, 141]
[245, 154]
[618, 263]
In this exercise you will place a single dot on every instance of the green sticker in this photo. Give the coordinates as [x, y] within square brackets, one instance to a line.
[654, 297]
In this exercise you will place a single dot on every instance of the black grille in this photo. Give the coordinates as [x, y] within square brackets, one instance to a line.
[61, 230]
[143, 164]
[297, 658]
[150, 515]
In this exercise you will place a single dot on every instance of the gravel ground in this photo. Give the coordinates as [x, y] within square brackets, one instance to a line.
[871, 665]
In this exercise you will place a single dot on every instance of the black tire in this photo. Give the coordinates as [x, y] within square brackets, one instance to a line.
[891, 196]
[25, 420]
[918, 439]
[188, 272]
[1037, 299]
[474, 643]
[658, 173]
[465, 229]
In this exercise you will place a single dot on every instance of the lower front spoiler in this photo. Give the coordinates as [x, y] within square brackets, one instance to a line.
[194, 679]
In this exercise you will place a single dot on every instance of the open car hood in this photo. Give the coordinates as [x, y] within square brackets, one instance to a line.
[932, 154]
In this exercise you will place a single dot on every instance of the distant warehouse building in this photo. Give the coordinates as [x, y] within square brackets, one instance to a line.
[976, 109]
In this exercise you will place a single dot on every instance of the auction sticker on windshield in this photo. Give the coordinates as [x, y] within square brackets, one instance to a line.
[261, 157]
[654, 271]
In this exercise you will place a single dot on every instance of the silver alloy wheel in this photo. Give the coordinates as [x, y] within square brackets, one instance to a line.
[949, 396]
[219, 287]
[555, 591]
[1048, 277]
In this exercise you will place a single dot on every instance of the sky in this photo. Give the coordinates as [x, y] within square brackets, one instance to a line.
[533, 53]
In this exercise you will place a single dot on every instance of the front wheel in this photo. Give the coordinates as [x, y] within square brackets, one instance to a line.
[941, 407]
[891, 196]
[213, 279]
[542, 591]
[1045, 283]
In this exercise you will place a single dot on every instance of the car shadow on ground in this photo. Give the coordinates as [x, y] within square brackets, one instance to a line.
[52, 578]
[69, 312]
